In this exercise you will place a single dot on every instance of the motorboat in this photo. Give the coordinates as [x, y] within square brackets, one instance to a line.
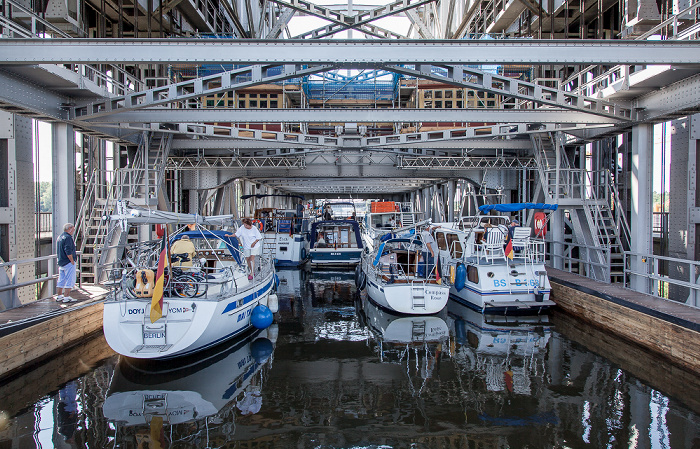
[473, 252]
[336, 241]
[385, 217]
[285, 230]
[397, 278]
[203, 390]
[206, 300]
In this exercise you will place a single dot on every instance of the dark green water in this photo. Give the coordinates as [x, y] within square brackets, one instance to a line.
[334, 371]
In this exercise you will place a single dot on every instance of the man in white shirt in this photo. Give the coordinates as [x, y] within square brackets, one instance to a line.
[250, 239]
[430, 248]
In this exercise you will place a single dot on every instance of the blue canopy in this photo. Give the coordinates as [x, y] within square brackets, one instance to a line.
[514, 207]
[231, 242]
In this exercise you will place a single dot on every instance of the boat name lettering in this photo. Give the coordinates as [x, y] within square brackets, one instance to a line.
[499, 283]
[244, 314]
[150, 397]
[136, 311]
[244, 361]
[335, 254]
[170, 413]
[154, 335]
[178, 309]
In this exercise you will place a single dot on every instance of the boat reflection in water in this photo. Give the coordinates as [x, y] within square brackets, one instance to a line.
[197, 397]
[507, 354]
[415, 341]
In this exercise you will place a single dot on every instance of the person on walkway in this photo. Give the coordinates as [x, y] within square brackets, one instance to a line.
[67, 257]
[250, 239]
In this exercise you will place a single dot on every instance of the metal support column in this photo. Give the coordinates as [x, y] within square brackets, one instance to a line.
[451, 200]
[63, 158]
[642, 186]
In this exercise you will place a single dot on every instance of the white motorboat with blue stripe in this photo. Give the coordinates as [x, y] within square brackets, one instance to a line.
[472, 252]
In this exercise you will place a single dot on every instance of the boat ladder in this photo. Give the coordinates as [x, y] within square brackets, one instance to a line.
[418, 296]
[418, 330]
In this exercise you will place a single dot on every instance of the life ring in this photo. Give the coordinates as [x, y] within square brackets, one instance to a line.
[258, 224]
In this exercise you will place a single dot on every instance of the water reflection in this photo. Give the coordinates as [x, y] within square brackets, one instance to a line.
[413, 342]
[189, 402]
[347, 374]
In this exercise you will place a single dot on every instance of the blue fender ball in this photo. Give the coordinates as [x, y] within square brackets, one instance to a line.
[460, 277]
[261, 349]
[261, 317]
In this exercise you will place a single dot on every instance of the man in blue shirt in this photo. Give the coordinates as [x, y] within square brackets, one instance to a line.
[65, 250]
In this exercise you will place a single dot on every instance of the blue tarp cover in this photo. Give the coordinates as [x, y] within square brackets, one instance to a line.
[514, 207]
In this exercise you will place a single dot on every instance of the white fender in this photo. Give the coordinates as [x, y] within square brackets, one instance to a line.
[273, 303]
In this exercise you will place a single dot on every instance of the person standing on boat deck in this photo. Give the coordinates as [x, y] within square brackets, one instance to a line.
[327, 214]
[511, 229]
[65, 250]
[250, 239]
[430, 248]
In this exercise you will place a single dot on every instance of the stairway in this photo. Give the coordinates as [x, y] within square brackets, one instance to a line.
[100, 241]
[418, 296]
[587, 196]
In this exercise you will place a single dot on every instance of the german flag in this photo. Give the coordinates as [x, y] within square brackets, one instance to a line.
[509, 249]
[157, 300]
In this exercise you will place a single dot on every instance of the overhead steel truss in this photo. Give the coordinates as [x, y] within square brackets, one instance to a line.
[164, 115]
[235, 161]
[342, 22]
[468, 77]
[194, 88]
[259, 74]
[368, 52]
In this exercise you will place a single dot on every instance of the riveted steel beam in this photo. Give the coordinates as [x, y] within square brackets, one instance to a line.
[162, 115]
[194, 88]
[361, 52]
[509, 87]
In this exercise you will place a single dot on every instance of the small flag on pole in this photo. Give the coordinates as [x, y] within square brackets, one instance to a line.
[509, 249]
[157, 300]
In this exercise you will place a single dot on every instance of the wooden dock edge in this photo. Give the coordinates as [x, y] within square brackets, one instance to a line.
[649, 330]
[29, 346]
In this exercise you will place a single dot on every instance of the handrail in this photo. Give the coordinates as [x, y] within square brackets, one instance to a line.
[652, 261]
[12, 264]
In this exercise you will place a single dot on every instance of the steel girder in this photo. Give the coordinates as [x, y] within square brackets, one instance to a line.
[362, 53]
[163, 115]
[502, 85]
[675, 100]
[194, 88]
[502, 136]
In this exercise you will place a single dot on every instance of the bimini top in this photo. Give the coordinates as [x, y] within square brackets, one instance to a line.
[231, 242]
[514, 207]
[353, 223]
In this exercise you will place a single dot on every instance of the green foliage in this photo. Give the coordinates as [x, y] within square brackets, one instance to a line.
[45, 194]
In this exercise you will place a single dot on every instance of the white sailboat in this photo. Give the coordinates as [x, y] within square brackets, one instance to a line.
[396, 278]
[206, 301]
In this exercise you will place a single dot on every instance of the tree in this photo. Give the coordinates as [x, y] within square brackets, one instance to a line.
[45, 197]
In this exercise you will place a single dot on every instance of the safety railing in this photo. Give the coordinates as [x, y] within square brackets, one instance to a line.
[52, 271]
[585, 265]
[654, 271]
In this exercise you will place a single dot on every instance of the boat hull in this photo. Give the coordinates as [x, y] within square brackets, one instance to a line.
[188, 325]
[504, 288]
[409, 298]
[319, 257]
[287, 250]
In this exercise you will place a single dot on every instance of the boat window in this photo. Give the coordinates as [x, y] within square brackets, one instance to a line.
[472, 274]
[455, 245]
[441, 242]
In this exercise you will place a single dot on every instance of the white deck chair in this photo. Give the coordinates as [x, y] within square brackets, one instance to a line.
[521, 241]
[493, 247]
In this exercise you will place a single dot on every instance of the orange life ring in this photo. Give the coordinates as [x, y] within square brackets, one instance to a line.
[259, 224]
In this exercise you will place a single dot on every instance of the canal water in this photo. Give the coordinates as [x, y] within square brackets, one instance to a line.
[334, 371]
